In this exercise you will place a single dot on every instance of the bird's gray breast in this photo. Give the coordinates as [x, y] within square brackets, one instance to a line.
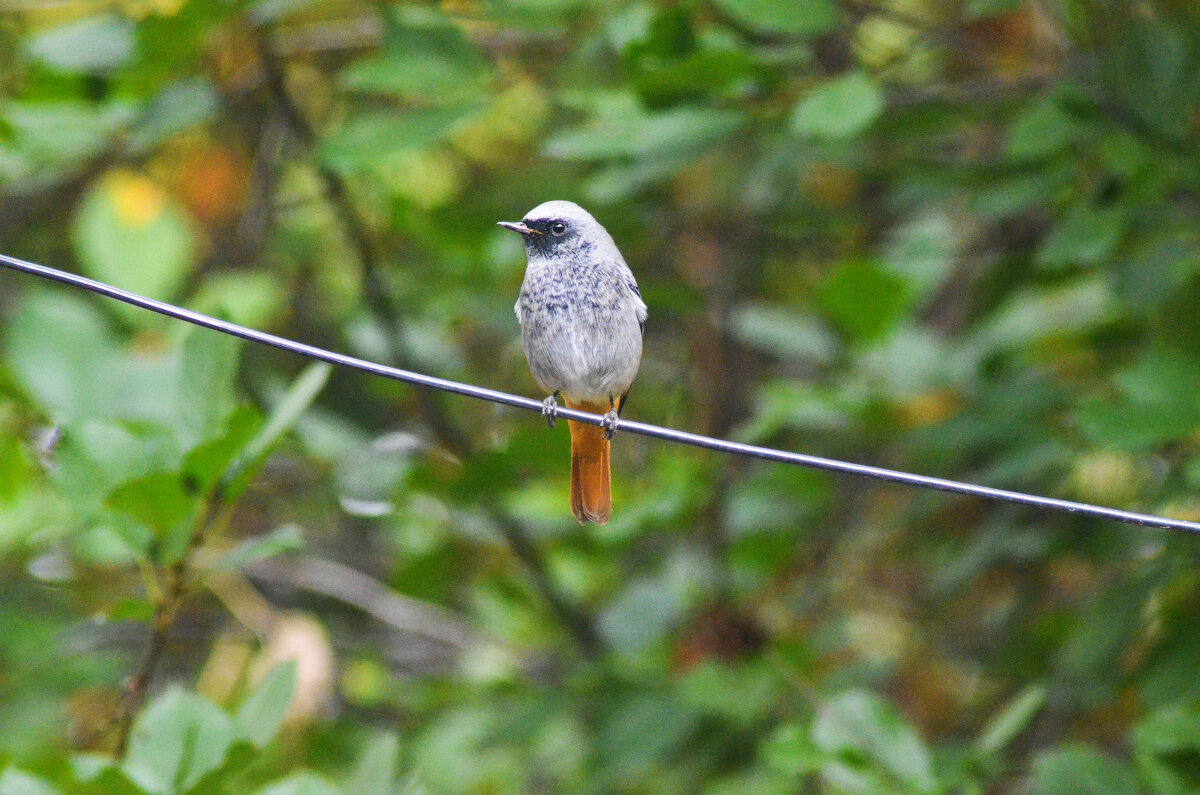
[581, 328]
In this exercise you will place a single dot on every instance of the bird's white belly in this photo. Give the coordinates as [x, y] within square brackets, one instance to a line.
[583, 362]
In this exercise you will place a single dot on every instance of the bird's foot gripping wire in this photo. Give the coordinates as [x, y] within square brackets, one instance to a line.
[550, 409]
[609, 423]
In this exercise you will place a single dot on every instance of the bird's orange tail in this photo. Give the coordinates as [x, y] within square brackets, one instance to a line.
[591, 494]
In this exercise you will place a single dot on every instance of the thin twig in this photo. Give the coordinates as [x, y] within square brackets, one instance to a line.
[353, 587]
[166, 607]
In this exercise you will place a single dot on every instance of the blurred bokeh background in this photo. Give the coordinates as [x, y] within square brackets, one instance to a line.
[955, 237]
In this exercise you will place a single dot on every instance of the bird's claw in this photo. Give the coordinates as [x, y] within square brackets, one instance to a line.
[609, 423]
[550, 410]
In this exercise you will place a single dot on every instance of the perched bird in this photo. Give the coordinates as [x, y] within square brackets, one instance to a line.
[581, 320]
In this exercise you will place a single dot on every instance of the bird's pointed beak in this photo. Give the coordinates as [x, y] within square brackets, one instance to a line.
[518, 227]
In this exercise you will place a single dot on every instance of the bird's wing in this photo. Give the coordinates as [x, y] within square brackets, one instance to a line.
[642, 312]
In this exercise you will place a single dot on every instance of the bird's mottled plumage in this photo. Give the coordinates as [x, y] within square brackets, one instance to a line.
[580, 309]
[581, 320]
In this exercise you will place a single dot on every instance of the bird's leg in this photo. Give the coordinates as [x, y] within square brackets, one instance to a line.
[610, 420]
[550, 409]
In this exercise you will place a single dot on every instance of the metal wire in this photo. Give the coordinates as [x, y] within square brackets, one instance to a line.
[655, 431]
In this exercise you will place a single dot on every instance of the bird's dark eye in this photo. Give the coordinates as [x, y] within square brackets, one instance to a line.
[558, 228]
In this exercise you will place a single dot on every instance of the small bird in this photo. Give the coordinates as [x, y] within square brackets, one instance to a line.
[582, 318]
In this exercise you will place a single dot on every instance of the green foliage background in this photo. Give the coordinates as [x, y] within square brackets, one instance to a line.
[955, 237]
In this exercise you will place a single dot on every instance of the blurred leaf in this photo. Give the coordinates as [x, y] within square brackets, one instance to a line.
[287, 538]
[100, 775]
[783, 332]
[641, 614]
[57, 134]
[424, 56]
[841, 107]
[96, 44]
[865, 298]
[1080, 770]
[14, 781]
[1043, 129]
[366, 138]
[639, 730]
[742, 694]
[62, 352]
[1157, 402]
[252, 299]
[173, 110]
[208, 462]
[177, 739]
[131, 234]
[790, 750]
[1085, 236]
[801, 17]
[1033, 314]
[1166, 749]
[206, 393]
[1013, 719]
[375, 771]
[261, 714]
[987, 8]
[680, 131]
[799, 405]
[156, 500]
[301, 783]
[923, 249]
[287, 412]
[863, 733]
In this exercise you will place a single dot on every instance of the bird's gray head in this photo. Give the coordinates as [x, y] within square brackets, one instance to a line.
[563, 229]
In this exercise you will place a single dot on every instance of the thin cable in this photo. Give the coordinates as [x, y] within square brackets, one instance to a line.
[655, 431]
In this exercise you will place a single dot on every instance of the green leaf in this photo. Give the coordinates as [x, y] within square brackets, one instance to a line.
[1012, 720]
[208, 462]
[367, 138]
[679, 132]
[375, 772]
[176, 741]
[857, 727]
[1043, 129]
[52, 135]
[129, 233]
[61, 351]
[783, 332]
[799, 17]
[260, 715]
[14, 781]
[100, 775]
[302, 783]
[1085, 236]
[248, 298]
[865, 298]
[1038, 313]
[206, 393]
[159, 502]
[1156, 404]
[97, 44]
[842, 107]
[974, 9]
[280, 540]
[790, 750]
[1166, 748]
[1080, 770]
[425, 57]
[287, 412]
[179, 106]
